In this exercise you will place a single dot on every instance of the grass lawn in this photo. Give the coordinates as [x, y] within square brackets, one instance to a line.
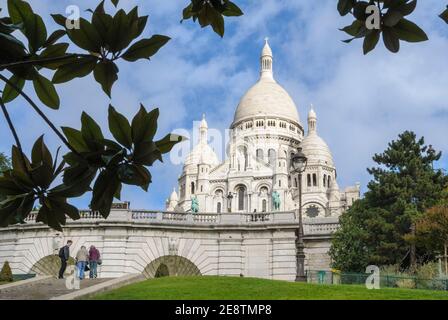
[235, 288]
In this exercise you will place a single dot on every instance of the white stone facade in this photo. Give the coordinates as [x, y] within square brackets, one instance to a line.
[251, 245]
[265, 131]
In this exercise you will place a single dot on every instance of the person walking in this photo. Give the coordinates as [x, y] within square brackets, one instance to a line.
[82, 257]
[64, 255]
[94, 261]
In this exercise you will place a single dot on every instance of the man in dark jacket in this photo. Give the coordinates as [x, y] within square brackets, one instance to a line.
[64, 255]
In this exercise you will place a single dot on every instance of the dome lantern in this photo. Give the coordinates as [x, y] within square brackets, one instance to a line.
[266, 62]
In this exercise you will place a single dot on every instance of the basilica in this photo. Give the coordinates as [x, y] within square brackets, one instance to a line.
[256, 176]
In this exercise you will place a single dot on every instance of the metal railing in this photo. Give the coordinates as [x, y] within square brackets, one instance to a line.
[386, 280]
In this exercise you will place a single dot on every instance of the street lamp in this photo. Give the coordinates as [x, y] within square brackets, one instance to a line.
[298, 165]
[229, 203]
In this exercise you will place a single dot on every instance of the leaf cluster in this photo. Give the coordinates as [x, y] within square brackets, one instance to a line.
[394, 26]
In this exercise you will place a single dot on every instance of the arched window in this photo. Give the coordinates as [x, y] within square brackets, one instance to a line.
[241, 198]
[328, 184]
[243, 158]
[279, 183]
[308, 180]
[259, 154]
[202, 188]
[325, 180]
[218, 207]
[314, 180]
[192, 188]
[271, 156]
[264, 205]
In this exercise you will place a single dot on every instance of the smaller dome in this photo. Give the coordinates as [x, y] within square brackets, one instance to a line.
[312, 113]
[316, 150]
[173, 196]
[202, 154]
[203, 124]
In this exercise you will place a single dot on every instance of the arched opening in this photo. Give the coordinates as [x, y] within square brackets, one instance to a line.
[241, 193]
[162, 271]
[219, 207]
[49, 266]
[192, 188]
[260, 155]
[264, 205]
[271, 156]
[171, 266]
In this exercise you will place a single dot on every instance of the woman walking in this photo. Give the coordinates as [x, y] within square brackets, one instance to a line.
[94, 260]
[82, 257]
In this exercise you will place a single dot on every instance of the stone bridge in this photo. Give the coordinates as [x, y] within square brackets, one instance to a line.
[159, 243]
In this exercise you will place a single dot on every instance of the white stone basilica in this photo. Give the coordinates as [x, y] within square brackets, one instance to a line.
[265, 131]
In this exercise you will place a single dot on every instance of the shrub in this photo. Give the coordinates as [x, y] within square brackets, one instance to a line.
[406, 283]
[6, 273]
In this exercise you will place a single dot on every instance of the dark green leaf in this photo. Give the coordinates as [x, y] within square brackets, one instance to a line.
[91, 131]
[78, 69]
[144, 125]
[168, 142]
[120, 128]
[355, 28]
[345, 6]
[46, 92]
[146, 153]
[444, 16]
[392, 17]
[86, 37]
[59, 19]
[145, 48]
[136, 175]
[55, 36]
[407, 8]
[9, 93]
[41, 154]
[391, 40]
[232, 10]
[104, 189]
[371, 40]
[115, 2]
[408, 31]
[75, 139]
[106, 73]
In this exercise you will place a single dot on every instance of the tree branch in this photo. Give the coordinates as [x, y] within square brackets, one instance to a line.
[16, 137]
[45, 60]
[40, 113]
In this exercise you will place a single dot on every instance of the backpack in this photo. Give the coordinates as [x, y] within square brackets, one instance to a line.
[61, 253]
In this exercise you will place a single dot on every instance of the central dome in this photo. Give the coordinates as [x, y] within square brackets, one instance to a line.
[266, 97]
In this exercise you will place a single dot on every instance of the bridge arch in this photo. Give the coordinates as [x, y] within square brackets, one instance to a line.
[49, 266]
[171, 265]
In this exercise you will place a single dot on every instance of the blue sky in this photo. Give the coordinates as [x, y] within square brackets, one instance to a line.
[362, 102]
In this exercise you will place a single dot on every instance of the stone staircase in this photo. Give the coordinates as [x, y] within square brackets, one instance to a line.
[44, 289]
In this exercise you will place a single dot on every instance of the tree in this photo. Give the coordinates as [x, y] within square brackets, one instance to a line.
[92, 162]
[431, 231]
[404, 185]
[5, 164]
[6, 273]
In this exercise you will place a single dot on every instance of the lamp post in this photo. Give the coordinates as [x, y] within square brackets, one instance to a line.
[298, 165]
[229, 202]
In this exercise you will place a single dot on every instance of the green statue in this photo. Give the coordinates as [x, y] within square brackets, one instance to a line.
[194, 205]
[276, 200]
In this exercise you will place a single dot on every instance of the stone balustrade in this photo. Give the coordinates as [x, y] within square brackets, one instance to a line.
[312, 226]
